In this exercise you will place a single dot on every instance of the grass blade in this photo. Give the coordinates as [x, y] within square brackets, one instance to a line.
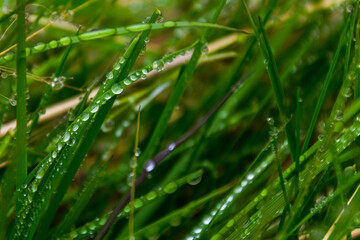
[325, 87]
[132, 53]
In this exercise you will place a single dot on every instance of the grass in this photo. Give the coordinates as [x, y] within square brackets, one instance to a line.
[249, 125]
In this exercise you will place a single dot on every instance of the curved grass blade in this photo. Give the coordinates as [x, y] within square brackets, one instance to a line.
[325, 87]
[48, 91]
[92, 227]
[65, 41]
[182, 212]
[82, 200]
[180, 87]
[273, 208]
[106, 97]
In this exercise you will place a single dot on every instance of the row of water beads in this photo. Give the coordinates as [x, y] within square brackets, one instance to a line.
[94, 226]
[69, 136]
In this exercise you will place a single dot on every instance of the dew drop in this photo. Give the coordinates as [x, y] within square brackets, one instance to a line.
[270, 121]
[39, 46]
[133, 77]
[40, 173]
[144, 71]
[170, 188]
[65, 41]
[171, 146]
[151, 196]
[110, 75]
[12, 102]
[72, 141]
[266, 61]
[348, 93]
[54, 17]
[122, 60]
[66, 137]
[339, 115]
[158, 65]
[116, 88]
[107, 96]
[116, 66]
[169, 24]
[205, 49]
[138, 203]
[85, 116]
[127, 81]
[57, 83]
[4, 75]
[194, 179]
[9, 56]
[75, 127]
[250, 176]
[33, 187]
[54, 154]
[93, 107]
[130, 179]
[149, 166]
[207, 220]
[107, 126]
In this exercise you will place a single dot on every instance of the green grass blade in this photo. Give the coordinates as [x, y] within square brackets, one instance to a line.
[131, 55]
[21, 133]
[21, 115]
[132, 198]
[65, 41]
[325, 87]
[180, 87]
[274, 78]
[357, 56]
[82, 200]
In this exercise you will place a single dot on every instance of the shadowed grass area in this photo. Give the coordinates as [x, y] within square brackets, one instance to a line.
[249, 123]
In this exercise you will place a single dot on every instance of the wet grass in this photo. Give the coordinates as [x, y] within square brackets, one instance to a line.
[248, 127]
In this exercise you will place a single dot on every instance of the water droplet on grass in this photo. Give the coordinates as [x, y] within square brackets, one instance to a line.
[72, 141]
[66, 137]
[171, 146]
[39, 46]
[116, 88]
[151, 195]
[57, 83]
[169, 24]
[85, 116]
[339, 115]
[107, 126]
[127, 81]
[12, 102]
[116, 66]
[109, 75]
[205, 49]
[54, 17]
[93, 107]
[130, 179]
[65, 41]
[149, 166]
[158, 65]
[170, 188]
[9, 56]
[194, 179]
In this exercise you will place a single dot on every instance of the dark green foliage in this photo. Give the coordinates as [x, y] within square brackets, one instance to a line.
[249, 124]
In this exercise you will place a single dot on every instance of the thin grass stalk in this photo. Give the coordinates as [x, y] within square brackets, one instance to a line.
[132, 209]
[21, 128]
